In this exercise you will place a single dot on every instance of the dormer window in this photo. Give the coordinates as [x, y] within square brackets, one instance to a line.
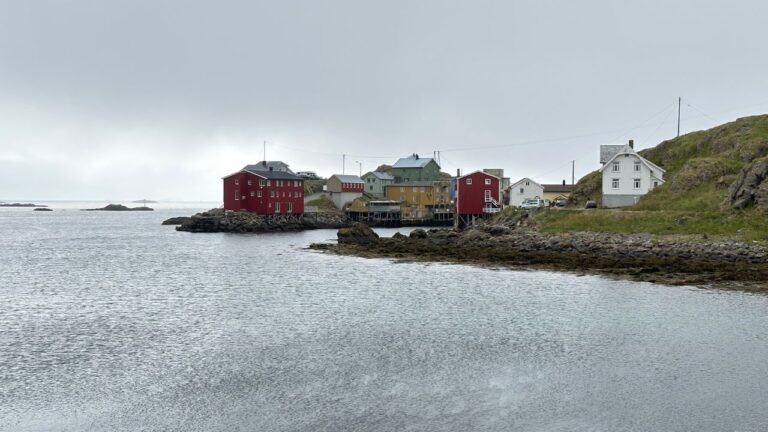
[616, 166]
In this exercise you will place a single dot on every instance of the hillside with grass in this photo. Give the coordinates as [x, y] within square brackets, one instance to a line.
[714, 184]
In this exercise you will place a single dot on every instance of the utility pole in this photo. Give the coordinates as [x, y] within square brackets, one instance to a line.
[265, 150]
[573, 173]
[343, 163]
[679, 102]
[360, 168]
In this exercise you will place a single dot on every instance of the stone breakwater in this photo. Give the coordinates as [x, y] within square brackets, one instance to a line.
[217, 220]
[676, 260]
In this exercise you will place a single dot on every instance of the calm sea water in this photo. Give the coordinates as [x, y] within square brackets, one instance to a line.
[112, 322]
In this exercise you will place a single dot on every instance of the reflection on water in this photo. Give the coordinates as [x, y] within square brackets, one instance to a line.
[110, 321]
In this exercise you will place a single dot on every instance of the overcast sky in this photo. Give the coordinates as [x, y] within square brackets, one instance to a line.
[160, 99]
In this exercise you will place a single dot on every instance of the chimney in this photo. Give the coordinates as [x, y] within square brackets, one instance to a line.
[264, 163]
[563, 182]
[417, 156]
[458, 172]
[271, 168]
[631, 144]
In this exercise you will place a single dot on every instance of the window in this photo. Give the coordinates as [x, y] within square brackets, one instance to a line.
[290, 207]
[527, 183]
[262, 183]
[487, 181]
[370, 188]
[655, 184]
[402, 189]
[258, 194]
[271, 194]
[250, 182]
[637, 166]
[616, 166]
[615, 183]
[237, 181]
[487, 196]
[522, 190]
[421, 189]
[637, 183]
[269, 182]
[277, 207]
[469, 181]
[253, 194]
[237, 195]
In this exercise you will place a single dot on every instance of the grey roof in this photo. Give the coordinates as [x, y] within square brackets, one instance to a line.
[608, 151]
[275, 175]
[265, 165]
[412, 162]
[348, 178]
[379, 175]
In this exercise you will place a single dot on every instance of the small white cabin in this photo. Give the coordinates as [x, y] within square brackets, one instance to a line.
[524, 189]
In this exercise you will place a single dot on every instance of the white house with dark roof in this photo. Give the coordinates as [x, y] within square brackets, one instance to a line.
[376, 181]
[627, 176]
[524, 189]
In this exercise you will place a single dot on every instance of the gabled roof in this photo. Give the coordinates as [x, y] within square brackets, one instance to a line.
[630, 151]
[271, 175]
[379, 175]
[266, 165]
[412, 162]
[608, 151]
[524, 179]
[557, 187]
[480, 172]
[348, 178]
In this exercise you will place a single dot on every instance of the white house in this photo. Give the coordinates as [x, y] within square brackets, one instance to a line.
[524, 189]
[627, 176]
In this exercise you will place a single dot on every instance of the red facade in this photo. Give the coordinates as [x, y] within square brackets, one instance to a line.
[352, 187]
[478, 193]
[264, 192]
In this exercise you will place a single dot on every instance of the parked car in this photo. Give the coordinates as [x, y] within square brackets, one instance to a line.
[560, 202]
[590, 204]
[532, 203]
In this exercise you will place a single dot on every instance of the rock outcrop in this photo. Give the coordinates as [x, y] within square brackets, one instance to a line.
[178, 220]
[750, 187]
[677, 260]
[218, 220]
[358, 233]
[119, 207]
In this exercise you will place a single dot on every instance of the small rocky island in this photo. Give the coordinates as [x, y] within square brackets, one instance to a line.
[43, 209]
[119, 207]
[694, 260]
[21, 205]
[218, 220]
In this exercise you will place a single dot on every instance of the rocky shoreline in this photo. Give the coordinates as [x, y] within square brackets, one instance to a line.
[219, 221]
[680, 260]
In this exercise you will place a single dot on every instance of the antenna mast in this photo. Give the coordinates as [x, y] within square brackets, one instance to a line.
[679, 101]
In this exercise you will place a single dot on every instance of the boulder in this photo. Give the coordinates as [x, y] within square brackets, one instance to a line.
[418, 234]
[357, 234]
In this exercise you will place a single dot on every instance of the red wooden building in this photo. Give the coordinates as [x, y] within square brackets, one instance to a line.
[264, 192]
[478, 195]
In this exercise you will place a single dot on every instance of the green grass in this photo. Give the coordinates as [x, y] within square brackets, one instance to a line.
[323, 204]
[745, 225]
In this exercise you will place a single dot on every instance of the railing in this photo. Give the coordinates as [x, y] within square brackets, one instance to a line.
[491, 209]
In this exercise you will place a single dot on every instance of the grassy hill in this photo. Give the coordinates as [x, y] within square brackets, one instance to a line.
[713, 185]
